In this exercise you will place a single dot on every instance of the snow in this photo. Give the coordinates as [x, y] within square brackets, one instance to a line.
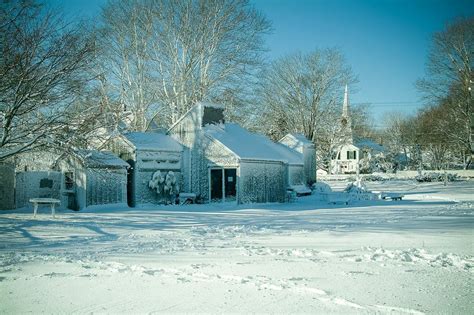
[153, 141]
[298, 139]
[98, 159]
[248, 145]
[372, 257]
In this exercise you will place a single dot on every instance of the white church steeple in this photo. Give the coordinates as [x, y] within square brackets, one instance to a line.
[345, 106]
[346, 123]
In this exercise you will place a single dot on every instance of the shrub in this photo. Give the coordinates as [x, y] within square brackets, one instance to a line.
[320, 187]
[373, 178]
[436, 177]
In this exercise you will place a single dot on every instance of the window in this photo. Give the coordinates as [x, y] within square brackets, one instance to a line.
[46, 183]
[351, 155]
[68, 180]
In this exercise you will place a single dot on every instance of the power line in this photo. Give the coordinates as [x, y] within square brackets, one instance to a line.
[391, 104]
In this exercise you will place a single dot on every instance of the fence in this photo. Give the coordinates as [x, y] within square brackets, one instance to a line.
[463, 174]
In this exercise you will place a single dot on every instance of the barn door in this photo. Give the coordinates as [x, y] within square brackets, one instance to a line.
[216, 185]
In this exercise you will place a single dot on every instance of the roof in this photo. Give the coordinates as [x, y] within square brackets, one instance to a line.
[100, 159]
[153, 141]
[348, 147]
[367, 143]
[248, 145]
[301, 138]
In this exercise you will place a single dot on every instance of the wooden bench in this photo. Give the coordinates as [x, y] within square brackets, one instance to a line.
[186, 198]
[44, 201]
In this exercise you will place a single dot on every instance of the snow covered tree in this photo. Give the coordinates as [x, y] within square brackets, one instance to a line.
[449, 81]
[43, 67]
[167, 55]
[400, 140]
[302, 93]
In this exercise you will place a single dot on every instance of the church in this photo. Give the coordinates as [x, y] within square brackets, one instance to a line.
[347, 155]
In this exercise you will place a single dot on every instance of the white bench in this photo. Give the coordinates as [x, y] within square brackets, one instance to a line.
[392, 196]
[44, 201]
[338, 198]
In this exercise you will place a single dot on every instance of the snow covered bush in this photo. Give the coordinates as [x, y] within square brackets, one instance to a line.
[165, 185]
[374, 178]
[356, 187]
[321, 187]
[436, 177]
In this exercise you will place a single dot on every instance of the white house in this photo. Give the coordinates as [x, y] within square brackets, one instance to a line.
[201, 155]
[225, 162]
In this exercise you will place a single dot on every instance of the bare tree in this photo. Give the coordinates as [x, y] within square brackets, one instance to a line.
[303, 93]
[168, 55]
[399, 138]
[43, 68]
[125, 41]
[450, 79]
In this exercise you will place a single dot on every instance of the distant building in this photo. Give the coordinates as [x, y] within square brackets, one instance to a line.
[347, 155]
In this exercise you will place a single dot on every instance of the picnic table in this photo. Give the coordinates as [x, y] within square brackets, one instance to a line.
[45, 201]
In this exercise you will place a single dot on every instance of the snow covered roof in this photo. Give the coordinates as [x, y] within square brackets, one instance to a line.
[248, 145]
[99, 159]
[348, 147]
[367, 143]
[301, 138]
[153, 141]
[296, 142]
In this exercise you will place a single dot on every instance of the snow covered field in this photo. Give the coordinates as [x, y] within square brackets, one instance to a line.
[411, 256]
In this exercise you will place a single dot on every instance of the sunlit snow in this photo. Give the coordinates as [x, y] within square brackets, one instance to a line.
[411, 256]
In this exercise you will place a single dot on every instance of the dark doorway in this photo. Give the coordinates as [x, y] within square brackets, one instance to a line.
[130, 184]
[230, 180]
[216, 185]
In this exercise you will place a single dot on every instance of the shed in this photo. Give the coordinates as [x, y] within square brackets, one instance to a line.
[306, 152]
[92, 178]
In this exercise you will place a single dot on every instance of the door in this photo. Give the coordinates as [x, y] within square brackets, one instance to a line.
[230, 184]
[216, 185]
[131, 184]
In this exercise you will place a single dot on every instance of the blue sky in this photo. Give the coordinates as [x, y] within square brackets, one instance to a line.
[385, 42]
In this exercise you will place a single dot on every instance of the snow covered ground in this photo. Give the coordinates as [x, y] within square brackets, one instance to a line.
[411, 256]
